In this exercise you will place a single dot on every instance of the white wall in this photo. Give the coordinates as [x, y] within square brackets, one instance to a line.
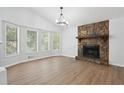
[116, 42]
[1, 41]
[23, 17]
[69, 42]
[3, 76]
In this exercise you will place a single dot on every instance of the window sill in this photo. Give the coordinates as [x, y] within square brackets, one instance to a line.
[11, 55]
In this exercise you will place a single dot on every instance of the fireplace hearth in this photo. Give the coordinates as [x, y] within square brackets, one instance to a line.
[91, 51]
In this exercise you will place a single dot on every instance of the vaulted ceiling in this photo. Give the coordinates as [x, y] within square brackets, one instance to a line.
[80, 15]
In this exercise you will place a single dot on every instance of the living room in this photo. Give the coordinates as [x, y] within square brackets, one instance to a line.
[37, 47]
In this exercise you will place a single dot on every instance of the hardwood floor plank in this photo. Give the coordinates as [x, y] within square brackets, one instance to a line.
[64, 71]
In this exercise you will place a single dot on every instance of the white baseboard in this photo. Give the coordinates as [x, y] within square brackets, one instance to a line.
[28, 60]
[116, 64]
[68, 56]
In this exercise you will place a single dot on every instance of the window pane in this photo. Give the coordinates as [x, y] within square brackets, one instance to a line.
[31, 41]
[45, 41]
[56, 40]
[11, 40]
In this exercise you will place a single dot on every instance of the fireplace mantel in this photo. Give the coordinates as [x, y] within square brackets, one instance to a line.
[104, 37]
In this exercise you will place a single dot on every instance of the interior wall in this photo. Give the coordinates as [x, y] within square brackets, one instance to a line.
[116, 42]
[24, 17]
[69, 42]
[0, 44]
[116, 39]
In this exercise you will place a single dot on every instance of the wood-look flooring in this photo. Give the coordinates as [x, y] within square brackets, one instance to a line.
[64, 71]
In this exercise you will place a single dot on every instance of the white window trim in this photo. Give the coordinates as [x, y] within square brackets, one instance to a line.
[18, 38]
[32, 30]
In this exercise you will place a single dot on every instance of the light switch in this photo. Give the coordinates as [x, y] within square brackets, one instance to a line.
[0, 42]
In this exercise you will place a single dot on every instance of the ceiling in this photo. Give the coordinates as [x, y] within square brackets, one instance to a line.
[80, 15]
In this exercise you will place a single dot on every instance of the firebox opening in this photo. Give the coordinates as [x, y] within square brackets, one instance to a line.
[91, 51]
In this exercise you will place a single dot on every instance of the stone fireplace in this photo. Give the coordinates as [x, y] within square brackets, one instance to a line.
[93, 42]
